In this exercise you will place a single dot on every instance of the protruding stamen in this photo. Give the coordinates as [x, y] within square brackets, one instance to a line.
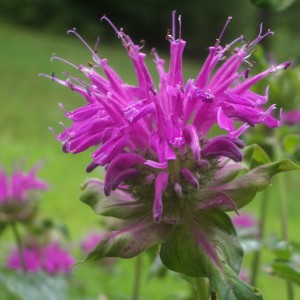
[121, 35]
[54, 56]
[222, 32]
[174, 24]
[179, 22]
[95, 57]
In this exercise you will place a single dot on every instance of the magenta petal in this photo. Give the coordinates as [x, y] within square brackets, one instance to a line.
[126, 174]
[91, 167]
[115, 171]
[224, 122]
[190, 177]
[193, 140]
[161, 184]
[222, 146]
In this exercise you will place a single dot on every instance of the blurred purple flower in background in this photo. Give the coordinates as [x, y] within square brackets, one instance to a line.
[244, 221]
[51, 259]
[291, 117]
[17, 194]
[90, 242]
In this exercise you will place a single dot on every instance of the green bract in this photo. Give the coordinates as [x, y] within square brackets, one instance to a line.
[196, 235]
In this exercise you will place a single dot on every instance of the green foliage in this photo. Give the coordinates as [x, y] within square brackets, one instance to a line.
[243, 189]
[291, 145]
[211, 242]
[286, 264]
[33, 286]
[277, 5]
[255, 156]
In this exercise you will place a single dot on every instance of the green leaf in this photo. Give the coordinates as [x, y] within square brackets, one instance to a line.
[34, 286]
[2, 227]
[291, 142]
[277, 5]
[255, 156]
[287, 270]
[207, 246]
[131, 240]
[119, 204]
[228, 286]
[283, 251]
[243, 189]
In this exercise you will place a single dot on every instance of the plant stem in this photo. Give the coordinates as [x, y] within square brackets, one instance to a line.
[261, 232]
[283, 211]
[137, 277]
[19, 245]
[201, 288]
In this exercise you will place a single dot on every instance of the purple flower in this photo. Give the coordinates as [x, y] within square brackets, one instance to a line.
[167, 177]
[244, 275]
[17, 193]
[291, 117]
[244, 221]
[142, 131]
[51, 259]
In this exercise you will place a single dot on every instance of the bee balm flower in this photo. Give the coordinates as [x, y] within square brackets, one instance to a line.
[51, 258]
[17, 194]
[159, 135]
[167, 178]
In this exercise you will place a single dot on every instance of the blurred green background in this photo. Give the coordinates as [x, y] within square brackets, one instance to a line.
[31, 30]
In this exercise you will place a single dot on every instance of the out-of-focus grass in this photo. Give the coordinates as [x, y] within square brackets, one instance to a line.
[29, 107]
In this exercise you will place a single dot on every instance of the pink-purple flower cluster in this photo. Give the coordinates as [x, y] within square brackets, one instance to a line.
[51, 259]
[244, 221]
[17, 186]
[158, 136]
[17, 193]
[291, 117]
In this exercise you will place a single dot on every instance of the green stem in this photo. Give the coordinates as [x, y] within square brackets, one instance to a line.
[261, 233]
[19, 245]
[201, 288]
[283, 211]
[137, 278]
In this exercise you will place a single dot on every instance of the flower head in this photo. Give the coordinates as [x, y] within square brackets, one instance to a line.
[17, 193]
[160, 135]
[51, 258]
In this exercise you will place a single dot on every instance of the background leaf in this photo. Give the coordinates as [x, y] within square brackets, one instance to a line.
[34, 286]
[277, 5]
[255, 156]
